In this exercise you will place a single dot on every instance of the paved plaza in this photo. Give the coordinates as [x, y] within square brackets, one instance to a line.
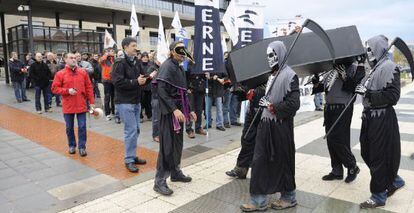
[37, 174]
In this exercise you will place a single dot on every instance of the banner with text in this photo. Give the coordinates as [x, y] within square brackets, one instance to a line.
[250, 20]
[208, 53]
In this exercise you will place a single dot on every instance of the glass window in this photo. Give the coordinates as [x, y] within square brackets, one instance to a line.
[153, 38]
[59, 47]
[38, 33]
[57, 34]
[39, 46]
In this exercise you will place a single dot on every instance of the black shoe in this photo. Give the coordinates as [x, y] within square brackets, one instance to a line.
[331, 176]
[220, 128]
[227, 126]
[370, 204]
[26, 100]
[181, 178]
[72, 150]
[139, 161]
[117, 120]
[236, 124]
[164, 190]
[131, 167]
[238, 172]
[209, 126]
[352, 174]
[19, 101]
[82, 152]
[391, 190]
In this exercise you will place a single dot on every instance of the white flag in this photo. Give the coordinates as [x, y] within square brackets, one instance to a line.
[223, 44]
[109, 41]
[180, 32]
[230, 22]
[133, 22]
[162, 47]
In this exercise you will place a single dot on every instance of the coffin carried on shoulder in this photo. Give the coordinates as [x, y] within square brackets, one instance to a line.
[249, 66]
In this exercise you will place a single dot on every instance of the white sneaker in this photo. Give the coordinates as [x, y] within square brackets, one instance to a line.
[108, 117]
[39, 112]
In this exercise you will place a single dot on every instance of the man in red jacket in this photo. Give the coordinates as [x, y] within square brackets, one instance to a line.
[73, 84]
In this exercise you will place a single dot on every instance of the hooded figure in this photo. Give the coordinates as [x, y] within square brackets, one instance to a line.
[380, 136]
[339, 87]
[273, 165]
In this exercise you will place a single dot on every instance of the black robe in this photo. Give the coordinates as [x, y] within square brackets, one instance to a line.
[380, 136]
[273, 166]
[171, 82]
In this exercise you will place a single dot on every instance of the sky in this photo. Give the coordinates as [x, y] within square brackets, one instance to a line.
[372, 17]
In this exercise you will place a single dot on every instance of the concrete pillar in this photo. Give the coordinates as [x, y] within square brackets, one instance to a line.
[30, 27]
[114, 26]
[3, 38]
[57, 19]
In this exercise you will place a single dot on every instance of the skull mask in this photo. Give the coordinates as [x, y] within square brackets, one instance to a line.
[272, 58]
[371, 57]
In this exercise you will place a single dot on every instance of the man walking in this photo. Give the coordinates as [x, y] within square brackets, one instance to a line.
[73, 84]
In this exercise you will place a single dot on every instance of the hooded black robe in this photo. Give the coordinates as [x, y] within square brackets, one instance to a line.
[273, 166]
[380, 136]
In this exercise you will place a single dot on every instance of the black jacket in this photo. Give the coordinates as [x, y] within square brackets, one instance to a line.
[40, 74]
[153, 67]
[124, 76]
[15, 71]
[145, 68]
[97, 73]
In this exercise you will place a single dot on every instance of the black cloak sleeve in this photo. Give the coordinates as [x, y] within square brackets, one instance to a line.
[387, 96]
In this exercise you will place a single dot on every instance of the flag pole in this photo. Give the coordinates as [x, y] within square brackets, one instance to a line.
[207, 74]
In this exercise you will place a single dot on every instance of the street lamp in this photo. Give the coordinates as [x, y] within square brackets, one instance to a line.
[28, 8]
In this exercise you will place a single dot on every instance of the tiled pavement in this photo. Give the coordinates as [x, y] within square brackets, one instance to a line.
[37, 174]
[212, 191]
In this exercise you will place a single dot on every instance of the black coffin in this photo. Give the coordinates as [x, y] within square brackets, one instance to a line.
[249, 64]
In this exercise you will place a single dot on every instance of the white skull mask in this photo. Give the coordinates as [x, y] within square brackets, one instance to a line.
[370, 54]
[272, 57]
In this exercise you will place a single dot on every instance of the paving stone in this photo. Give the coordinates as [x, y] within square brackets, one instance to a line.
[41, 174]
[21, 191]
[34, 166]
[42, 202]
[12, 181]
[55, 181]
[9, 208]
[7, 172]
[12, 155]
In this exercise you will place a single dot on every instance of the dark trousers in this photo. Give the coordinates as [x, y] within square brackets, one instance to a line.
[109, 91]
[96, 92]
[46, 95]
[51, 95]
[20, 90]
[339, 141]
[197, 101]
[248, 140]
[70, 132]
[146, 104]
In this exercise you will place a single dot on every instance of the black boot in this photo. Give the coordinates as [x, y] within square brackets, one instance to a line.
[352, 174]
[238, 172]
[163, 189]
[131, 167]
[331, 176]
[181, 178]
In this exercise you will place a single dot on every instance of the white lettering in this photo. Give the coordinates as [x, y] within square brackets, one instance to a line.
[207, 30]
[208, 49]
[208, 64]
[206, 13]
[246, 36]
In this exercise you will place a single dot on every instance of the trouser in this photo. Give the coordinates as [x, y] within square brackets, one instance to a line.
[38, 92]
[20, 90]
[51, 95]
[70, 132]
[96, 91]
[146, 104]
[382, 196]
[197, 100]
[262, 200]
[226, 106]
[155, 118]
[109, 91]
[339, 140]
[129, 114]
[235, 106]
[318, 100]
[219, 110]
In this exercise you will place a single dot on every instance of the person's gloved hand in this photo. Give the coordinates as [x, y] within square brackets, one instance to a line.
[315, 79]
[361, 89]
[361, 58]
[264, 102]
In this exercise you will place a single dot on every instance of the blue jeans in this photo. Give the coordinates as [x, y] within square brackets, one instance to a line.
[51, 95]
[234, 108]
[70, 132]
[382, 196]
[226, 106]
[219, 108]
[20, 90]
[155, 119]
[318, 99]
[129, 114]
[262, 200]
[46, 92]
